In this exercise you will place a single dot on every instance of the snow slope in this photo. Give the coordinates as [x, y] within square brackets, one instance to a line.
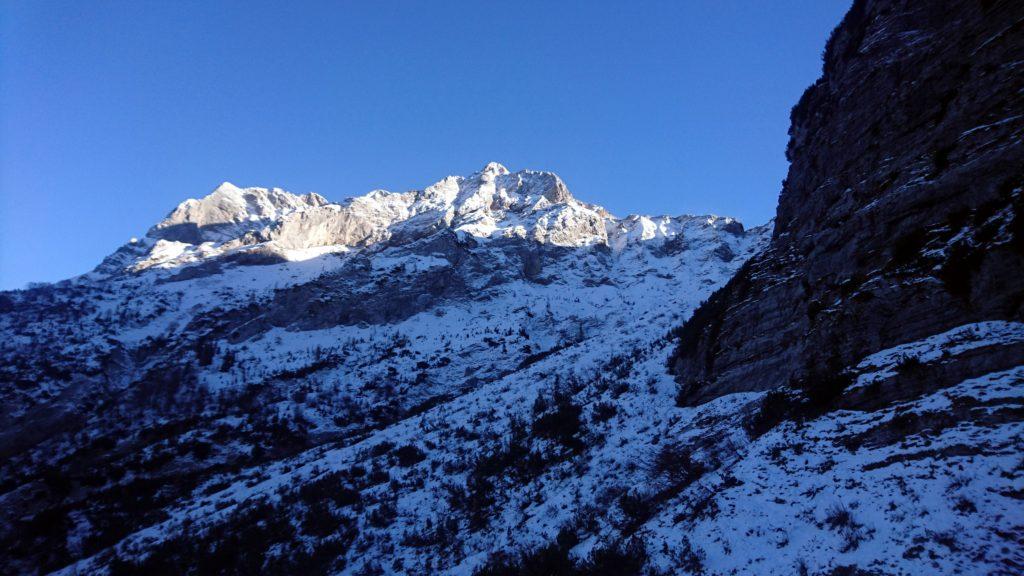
[254, 324]
[471, 379]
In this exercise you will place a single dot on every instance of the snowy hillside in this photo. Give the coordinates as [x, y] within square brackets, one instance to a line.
[489, 377]
[254, 326]
[471, 379]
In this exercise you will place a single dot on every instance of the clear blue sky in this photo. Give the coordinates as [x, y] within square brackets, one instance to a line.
[113, 112]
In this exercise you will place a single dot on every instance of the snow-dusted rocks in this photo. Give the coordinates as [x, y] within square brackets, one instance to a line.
[254, 326]
[228, 212]
[471, 378]
[490, 204]
[449, 380]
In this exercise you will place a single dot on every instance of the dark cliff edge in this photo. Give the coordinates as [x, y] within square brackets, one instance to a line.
[901, 215]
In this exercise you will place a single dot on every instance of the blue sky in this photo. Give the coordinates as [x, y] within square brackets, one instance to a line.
[111, 113]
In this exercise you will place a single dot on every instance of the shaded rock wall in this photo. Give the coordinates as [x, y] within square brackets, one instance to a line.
[900, 215]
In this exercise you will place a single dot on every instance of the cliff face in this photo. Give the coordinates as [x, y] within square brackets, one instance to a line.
[901, 213]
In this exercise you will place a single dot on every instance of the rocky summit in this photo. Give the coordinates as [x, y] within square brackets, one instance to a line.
[489, 376]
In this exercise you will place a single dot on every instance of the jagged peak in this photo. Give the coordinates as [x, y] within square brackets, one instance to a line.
[229, 211]
[494, 168]
[491, 203]
[559, 192]
[225, 187]
[316, 199]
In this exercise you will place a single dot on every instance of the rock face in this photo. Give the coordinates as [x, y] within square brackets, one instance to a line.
[229, 211]
[901, 216]
[271, 225]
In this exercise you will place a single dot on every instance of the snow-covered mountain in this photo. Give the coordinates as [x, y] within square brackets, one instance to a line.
[253, 326]
[473, 378]
[466, 379]
[491, 204]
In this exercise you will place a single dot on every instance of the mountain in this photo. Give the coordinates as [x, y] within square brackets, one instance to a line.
[254, 330]
[897, 219]
[490, 377]
[886, 312]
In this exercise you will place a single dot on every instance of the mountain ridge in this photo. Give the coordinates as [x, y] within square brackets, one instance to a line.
[846, 399]
[488, 204]
[251, 358]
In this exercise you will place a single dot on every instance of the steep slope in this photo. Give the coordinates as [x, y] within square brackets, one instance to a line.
[471, 378]
[879, 336]
[253, 325]
[899, 218]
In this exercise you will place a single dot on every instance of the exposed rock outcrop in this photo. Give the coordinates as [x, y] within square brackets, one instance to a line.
[269, 225]
[901, 214]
